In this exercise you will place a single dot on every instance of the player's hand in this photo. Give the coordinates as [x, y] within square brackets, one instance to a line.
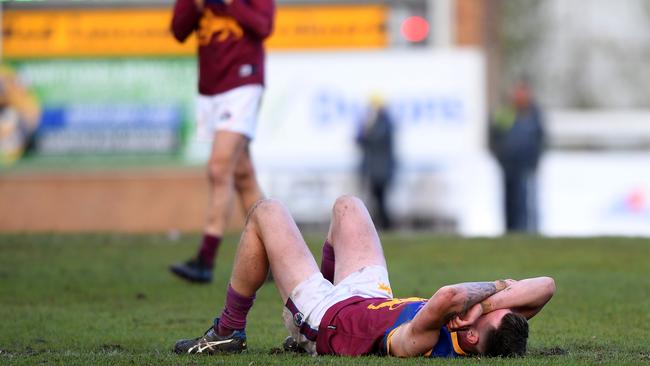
[463, 321]
[510, 282]
[200, 4]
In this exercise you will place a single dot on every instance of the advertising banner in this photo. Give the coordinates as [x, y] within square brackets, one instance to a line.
[330, 26]
[313, 110]
[111, 106]
[90, 32]
[435, 98]
[97, 32]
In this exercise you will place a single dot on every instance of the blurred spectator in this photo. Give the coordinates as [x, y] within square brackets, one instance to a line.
[375, 139]
[19, 117]
[517, 140]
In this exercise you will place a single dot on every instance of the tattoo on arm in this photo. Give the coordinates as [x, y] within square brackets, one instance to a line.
[477, 292]
[486, 304]
[474, 293]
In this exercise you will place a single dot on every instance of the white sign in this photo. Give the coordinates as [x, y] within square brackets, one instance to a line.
[315, 102]
[588, 193]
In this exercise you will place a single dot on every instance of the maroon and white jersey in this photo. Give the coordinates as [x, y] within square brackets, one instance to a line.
[231, 49]
[361, 326]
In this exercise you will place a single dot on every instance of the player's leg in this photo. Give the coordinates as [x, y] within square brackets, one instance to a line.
[270, 238]
[353, 238]
[352, 244]
[227, 148]
[229, 119]
[246, 183]
[230, 166]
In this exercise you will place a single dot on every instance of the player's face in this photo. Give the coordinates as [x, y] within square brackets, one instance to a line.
[472, 343]
[489, 321]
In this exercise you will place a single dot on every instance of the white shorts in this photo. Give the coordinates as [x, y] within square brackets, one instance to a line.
[235, 110]
[312, 297]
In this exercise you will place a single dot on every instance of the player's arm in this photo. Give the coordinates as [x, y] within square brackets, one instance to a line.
[185, 18]
[421, 334]
[526, 297]
[256, 17]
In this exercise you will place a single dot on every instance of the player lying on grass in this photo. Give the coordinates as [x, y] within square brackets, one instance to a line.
[347, 307]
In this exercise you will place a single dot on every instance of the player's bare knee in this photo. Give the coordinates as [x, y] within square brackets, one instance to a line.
[264, 208]
[218, 171]
[346, 203]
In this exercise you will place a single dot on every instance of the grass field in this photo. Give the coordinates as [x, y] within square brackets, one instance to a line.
[108, 299]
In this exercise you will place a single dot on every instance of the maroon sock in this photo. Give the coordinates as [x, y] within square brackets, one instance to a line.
[233, 315]
[209, 248]
[327, 262]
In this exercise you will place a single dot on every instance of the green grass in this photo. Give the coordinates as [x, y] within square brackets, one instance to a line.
[108, 299]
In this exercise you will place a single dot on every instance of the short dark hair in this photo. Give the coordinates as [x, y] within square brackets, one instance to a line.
[509, 339]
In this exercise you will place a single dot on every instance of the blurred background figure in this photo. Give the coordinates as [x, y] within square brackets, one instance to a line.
[19, 117]
[517, 140]
[377, 167]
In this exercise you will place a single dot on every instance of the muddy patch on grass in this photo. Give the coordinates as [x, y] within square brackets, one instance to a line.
[111, 348]
[551, 351]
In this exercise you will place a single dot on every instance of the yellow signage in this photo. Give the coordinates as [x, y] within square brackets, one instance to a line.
[333, 26]
[146, 32]
[63, 33]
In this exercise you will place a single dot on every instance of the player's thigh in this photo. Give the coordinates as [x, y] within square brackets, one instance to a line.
[354, 237]
[290, 259]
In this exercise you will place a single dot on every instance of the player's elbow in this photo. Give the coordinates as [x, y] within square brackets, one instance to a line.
[265, 29]
[179, 34]
[180, 30]
[453, 297]
[548, 286]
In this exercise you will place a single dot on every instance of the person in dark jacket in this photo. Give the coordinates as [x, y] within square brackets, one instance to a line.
[517, 139]
[378, 161]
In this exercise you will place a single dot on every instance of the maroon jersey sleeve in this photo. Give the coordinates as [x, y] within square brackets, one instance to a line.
[185, 19]
[254, 15]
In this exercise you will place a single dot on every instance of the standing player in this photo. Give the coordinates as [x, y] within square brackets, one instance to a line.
[231, 79]
[347, 308]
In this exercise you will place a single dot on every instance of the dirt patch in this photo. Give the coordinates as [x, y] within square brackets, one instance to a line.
[553, 351]
[110, 348]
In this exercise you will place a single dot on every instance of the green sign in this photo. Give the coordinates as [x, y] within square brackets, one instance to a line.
[112, 106]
